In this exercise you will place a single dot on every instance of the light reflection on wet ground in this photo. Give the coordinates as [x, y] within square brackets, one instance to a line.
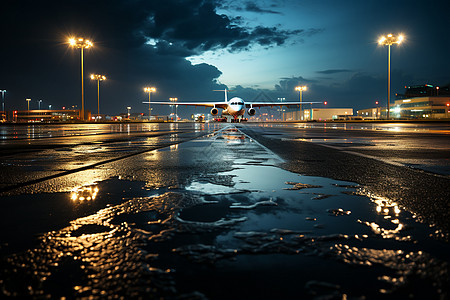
[231, 224]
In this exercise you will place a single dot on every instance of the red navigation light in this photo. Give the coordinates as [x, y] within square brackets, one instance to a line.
[376, 102]
[325, 103]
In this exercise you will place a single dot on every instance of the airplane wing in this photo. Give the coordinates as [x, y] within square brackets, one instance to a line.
[222, 105]
[261, 104]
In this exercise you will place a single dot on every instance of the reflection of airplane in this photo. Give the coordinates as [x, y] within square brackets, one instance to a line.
[234, 107]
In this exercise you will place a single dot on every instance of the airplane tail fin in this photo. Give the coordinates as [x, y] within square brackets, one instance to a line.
[226, 95]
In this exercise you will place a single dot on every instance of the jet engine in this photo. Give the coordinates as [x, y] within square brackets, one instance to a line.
[214, 111]
[251, 111]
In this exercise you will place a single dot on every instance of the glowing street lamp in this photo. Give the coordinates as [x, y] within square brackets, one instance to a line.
[39, 104]
[389, 40]
[99, 78]
[149, 90]
[300, 90]
[28, 102]
[81, 43]
[176, 108]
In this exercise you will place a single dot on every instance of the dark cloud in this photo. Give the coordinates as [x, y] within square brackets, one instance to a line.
[248, 6]
[334, 71]
[288, 84]
[196, 26]
[251, 6]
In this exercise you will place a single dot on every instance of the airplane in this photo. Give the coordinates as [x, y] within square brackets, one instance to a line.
[235, 107]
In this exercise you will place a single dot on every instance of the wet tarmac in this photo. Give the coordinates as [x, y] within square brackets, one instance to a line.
[206, 212]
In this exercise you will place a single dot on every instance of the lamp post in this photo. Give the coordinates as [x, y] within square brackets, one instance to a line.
[39, 104]
[128, 111]
[99, 78]
[281, 109]
[82, 44]
[176, 108]
[389, 40]
[3, 99]
[300, 90]
[149, 90]
[28, 102]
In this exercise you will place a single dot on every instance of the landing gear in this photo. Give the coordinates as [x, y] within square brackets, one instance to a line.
[238, 120]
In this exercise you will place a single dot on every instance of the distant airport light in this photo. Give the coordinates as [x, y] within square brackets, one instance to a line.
[149, 90]
[99, 78]
[325, 103]
[389, 40]
[300, 89]
[81, 43]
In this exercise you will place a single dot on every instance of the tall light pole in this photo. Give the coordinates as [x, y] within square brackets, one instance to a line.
[99, 78]
[3, 99]
[149, 90]
[300, 90]
[39, 104]
[28, 102]
[176, 108]
[128, 111]
[281, 109]
[82, 44]
[389, 40]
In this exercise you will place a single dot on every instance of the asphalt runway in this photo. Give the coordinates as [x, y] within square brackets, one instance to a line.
[408, 163]
[220, 211]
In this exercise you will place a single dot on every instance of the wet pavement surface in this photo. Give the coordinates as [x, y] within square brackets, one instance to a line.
[210, 212]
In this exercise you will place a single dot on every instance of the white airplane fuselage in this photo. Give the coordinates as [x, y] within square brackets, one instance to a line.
[235, 108]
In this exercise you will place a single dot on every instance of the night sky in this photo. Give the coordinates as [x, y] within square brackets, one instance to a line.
[187, 49]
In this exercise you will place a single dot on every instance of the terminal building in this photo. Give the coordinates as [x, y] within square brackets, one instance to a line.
[421, 108]
[319, 114]
[418, 102]
[414, 108]
[47, 115]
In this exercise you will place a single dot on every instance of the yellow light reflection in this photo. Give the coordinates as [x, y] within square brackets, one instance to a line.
[390, 211]
[87, 192]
